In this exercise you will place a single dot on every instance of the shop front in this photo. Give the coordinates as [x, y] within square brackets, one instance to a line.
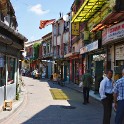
[119, 60]
[113, 38]
[75, 68]
[95, 61]
[9, 72]
[10, 46]
[67, 70]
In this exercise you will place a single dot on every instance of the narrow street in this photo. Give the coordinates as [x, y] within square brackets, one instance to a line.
[40, 108]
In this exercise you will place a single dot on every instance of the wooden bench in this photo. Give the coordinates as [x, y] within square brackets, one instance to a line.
[7, 105]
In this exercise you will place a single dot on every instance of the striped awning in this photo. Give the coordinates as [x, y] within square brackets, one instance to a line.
[88, 9]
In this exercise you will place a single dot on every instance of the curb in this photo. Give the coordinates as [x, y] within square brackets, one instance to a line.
[11, 113]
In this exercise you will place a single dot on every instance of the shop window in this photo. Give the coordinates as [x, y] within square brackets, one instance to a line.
[11, 69]
[2, 70]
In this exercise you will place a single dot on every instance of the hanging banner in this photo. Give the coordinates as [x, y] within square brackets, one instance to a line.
[75, 28]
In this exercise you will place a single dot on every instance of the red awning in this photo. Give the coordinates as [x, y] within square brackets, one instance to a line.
[110, 20]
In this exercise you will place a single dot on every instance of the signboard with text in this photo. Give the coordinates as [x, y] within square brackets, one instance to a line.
[92, 46]
[119, 52]
[75, 28]
[113, 33]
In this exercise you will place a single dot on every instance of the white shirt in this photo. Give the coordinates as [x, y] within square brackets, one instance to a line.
[106, 86]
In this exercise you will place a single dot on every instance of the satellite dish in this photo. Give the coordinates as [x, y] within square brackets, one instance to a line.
[66, 18]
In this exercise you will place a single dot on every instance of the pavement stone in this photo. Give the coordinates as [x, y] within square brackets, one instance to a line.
[15, 105]
[41, 108]
[77, 88]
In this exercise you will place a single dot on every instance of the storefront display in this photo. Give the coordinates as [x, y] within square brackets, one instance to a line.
[11, 69]
[119, 60]
[98, 69]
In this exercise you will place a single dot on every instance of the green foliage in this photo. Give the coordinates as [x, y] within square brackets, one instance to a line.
[36, 50]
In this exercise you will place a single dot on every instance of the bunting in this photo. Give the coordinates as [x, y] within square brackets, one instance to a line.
[44, 23]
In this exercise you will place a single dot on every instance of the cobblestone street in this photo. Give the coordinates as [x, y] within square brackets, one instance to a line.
[40, 108]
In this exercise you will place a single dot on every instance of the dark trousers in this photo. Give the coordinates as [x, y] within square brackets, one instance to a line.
[86, 94]
[107, 106]
[120, 112]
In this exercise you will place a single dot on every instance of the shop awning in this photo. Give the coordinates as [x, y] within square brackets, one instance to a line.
[88, 9]
[112, 19]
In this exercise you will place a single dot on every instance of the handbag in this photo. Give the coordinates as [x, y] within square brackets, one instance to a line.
[81, 84]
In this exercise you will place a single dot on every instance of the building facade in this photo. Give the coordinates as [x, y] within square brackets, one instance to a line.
[102, 21]
[11, 45]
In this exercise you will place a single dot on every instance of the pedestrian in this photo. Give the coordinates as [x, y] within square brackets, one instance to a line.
[119, 99]
[106, 94]
[87, 82]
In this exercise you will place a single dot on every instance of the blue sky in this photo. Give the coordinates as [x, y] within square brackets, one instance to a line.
[30, 12]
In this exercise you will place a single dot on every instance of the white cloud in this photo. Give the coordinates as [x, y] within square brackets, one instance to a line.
[37, 9]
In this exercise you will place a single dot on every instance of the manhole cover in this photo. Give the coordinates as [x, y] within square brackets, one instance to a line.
[68, 107]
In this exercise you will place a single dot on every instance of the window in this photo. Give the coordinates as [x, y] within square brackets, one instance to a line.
[11, 69]
[58, 50]
[54, 30]
[65, 49]
[48, 48]
[59, 29]
[66, 26]
[2, 70]
[44, 48]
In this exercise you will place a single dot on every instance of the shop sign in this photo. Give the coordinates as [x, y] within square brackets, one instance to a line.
[83, 50]
[119, 52]
[75, 28]
[89, 47]
[113, 33]
[92, 46]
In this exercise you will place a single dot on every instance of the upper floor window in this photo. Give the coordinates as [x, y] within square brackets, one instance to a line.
[66, 26]
[59, 29]
[54, 30]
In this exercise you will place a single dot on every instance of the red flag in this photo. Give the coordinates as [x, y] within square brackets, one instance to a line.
[44, 23]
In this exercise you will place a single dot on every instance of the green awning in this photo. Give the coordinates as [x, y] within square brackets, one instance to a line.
[88, 9]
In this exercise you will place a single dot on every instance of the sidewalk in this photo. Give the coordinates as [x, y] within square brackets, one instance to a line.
[16, 104]
[77, 88]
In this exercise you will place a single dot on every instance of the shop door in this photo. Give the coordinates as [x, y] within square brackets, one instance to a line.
[98, 74]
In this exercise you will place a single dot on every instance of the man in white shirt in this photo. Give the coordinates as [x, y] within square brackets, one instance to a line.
[106, 93]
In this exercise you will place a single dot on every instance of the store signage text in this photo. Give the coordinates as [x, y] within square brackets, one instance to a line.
[89, 47]
[113, 33]
[119, 52]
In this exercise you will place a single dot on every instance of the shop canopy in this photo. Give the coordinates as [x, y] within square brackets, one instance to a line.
[88, 9]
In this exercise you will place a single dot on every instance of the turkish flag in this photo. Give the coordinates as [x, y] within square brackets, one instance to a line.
[44, 23]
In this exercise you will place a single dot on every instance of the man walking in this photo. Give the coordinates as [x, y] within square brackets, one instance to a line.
[119, 99]
[106, 93]
[87, 82]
